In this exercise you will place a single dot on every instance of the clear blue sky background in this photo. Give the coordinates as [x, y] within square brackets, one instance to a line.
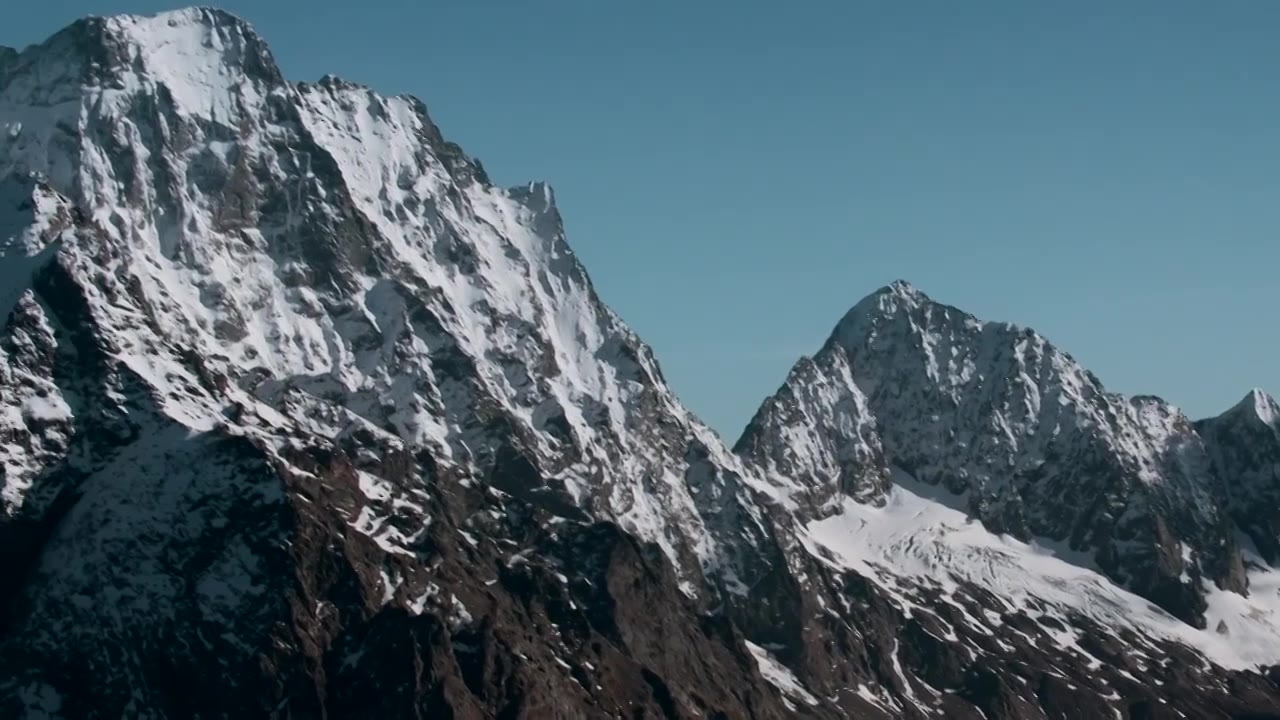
[735, 175]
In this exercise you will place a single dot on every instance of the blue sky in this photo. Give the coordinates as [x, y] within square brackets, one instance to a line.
[736, 175]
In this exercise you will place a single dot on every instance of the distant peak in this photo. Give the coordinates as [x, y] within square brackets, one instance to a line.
[199, 53]
[892, 297]
[895, 300]
[196, 15]
[902, 287]
[1256, 405]
[1262, 405]
[189, 30]
[904, 290]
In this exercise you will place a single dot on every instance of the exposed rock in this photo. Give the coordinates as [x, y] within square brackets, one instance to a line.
[1245, 445]
[1029, 437]
[302, 416]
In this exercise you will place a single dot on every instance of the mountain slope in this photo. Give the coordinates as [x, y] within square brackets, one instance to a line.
[915, 419]
[303, 416]
[1031, 438]
[301, 297]
[1244, 443]
[316, 241]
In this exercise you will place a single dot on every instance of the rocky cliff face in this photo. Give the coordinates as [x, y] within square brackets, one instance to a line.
[302, 416]
[1033, 442]
[1244, 443]
[321, 250]
[252, 326]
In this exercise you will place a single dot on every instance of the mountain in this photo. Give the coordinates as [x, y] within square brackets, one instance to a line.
[973, 466]
[275, 355]
[304, 416]
[1244, 443]
[1034, 443]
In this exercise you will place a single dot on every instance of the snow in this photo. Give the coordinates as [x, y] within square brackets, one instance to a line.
[391, 539]
[28, 238]
[46, 409]
[867, 694]
[453, 317]
[815, 455]
[35, 417]
[1265, 407]
[460, 274]
[923, 535]
[388, 587]
[1253, 622]
[916, 361]
[419, 604]
[985, 408]
[197, 53]
[781, 677]
[373, 487]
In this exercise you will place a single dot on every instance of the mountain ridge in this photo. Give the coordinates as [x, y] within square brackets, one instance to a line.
[948, 394]
[304, 416]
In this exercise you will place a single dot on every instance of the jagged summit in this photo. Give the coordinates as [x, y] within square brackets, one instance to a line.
[182, 30]
[301, 415]
[254, 328]
[996, 412]
[1260, 405]
[290, 235]
[902, 287]
[186, 48]
[1244, 443]
[898, 290]
[202, 15]
[898, 302]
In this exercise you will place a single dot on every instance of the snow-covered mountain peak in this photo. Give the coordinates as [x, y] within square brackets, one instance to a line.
[296, 402]
[177, 75]
[203, 15]
[1257, 408]
[958, 353]
[201, 55]
[903, 288]
[168, 26]
[194, 52]
[996, 412]
[1244, 443]
[907, 307]
[1260, 405]
[897, 296]
[318, 254]
[1257, 415]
